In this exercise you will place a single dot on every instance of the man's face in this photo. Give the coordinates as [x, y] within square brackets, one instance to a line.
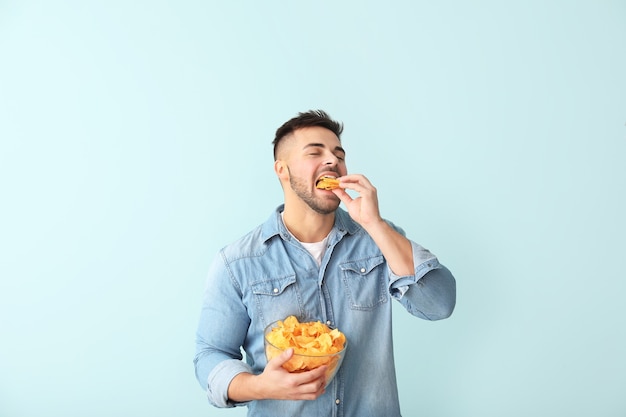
[308, 154]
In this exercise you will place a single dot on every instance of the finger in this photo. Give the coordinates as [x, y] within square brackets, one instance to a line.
[313, 376]
[315, 382]
[316, 388]
[359, 187]
[355, 179]
[355, 187]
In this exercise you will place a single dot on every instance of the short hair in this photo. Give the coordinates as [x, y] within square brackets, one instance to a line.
[310, 118]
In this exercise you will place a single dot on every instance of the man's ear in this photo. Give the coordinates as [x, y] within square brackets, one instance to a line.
[280, 167]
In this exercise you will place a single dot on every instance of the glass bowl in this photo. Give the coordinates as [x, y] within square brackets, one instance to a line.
[301, 362]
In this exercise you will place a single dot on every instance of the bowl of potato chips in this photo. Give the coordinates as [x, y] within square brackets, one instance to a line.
[314, 344]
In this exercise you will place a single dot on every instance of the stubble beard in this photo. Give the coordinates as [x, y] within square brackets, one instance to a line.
[318, 204]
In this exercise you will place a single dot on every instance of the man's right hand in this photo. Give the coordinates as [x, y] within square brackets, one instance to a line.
[276, 383]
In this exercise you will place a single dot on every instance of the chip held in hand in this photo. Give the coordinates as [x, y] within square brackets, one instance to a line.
[327, 183]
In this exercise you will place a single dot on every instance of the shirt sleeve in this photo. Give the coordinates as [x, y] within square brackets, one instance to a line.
[221, 331]
[430, 293]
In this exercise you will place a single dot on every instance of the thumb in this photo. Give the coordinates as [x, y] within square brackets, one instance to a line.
[279, 360]
[342, 194]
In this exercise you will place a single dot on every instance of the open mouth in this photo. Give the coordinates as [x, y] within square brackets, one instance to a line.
[327, 182]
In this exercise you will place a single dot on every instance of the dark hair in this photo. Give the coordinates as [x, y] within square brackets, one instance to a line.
[310, 118]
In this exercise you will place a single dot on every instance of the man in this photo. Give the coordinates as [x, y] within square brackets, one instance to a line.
[313, 259]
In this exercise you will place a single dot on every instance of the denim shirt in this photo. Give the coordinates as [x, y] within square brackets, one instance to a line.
[267, 275]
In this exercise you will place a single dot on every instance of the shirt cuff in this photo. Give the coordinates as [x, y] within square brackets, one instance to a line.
[219, 380]
[424, 262]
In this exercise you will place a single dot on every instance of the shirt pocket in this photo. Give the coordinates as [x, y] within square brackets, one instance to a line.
[365, 282]
[277, 298]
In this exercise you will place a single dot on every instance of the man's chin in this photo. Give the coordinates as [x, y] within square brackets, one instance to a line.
[327, 207]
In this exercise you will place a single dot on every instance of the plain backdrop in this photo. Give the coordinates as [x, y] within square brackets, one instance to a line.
[135, 141]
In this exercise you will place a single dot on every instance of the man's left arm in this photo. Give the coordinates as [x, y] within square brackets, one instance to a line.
[428, 293]
[418, 281]
[426, 288]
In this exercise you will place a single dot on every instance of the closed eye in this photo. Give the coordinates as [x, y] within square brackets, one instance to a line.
[316, 148]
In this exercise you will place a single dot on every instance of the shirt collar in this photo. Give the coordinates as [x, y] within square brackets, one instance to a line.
[274, 226]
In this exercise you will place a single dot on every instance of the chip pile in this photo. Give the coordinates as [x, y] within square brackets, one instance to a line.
[314, 339]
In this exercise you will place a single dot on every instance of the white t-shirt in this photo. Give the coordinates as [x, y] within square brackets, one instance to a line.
[316, 249]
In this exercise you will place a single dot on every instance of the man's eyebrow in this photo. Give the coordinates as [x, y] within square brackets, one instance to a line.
[321, 145]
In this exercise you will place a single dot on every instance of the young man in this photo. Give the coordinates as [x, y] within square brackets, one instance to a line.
[313, 259]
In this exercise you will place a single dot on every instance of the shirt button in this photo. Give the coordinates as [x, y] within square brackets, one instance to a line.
[362, 270]
[275, 290]
[328, 322]
[337, 401]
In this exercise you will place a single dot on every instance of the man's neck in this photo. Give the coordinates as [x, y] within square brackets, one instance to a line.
[307, 225]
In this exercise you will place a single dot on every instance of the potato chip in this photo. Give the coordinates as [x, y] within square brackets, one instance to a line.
[312, 338]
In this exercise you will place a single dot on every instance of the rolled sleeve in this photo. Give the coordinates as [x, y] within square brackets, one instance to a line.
[219, 380]
[431, 292]
[424, 262]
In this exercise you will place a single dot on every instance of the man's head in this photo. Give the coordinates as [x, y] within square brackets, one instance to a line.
[306, 148]
[310, 118]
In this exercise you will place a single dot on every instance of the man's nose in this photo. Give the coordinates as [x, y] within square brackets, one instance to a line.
[331, 160]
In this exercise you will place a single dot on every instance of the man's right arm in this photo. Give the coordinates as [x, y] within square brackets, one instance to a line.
[222, 328]
[219, 367]
[278, 384]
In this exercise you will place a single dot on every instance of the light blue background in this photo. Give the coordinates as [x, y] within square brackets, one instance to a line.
[135, 142]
